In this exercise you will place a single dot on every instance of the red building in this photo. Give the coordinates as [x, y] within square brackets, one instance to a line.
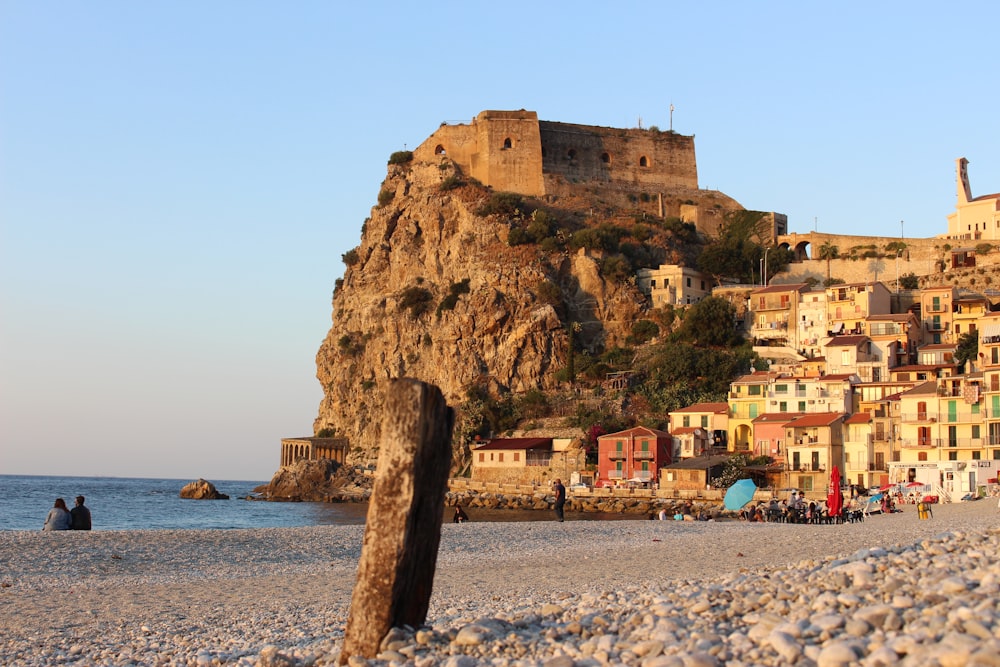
[634, 455]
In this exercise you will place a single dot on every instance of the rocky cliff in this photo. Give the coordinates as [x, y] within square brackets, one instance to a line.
[436, 292]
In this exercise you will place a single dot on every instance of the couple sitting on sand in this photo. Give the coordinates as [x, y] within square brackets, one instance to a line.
[60, 518]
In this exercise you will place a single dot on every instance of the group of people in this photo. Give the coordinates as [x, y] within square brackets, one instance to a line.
[793, 510]
[62, 518]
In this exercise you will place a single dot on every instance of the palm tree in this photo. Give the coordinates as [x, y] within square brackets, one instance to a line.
[828, 251]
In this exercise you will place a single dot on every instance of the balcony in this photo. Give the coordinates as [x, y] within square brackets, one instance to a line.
[616, 455]
[916, 443]
[615, 474]
[643, 456]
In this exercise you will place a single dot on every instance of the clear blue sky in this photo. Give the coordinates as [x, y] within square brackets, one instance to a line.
[178, 181]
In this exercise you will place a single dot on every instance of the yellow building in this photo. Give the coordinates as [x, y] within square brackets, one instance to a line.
[848, 306]
[976, 218]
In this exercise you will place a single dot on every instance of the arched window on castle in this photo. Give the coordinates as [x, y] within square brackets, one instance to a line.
[643, 161]
[439, 150]
[571, 154]
[507, 143]
[605, 158]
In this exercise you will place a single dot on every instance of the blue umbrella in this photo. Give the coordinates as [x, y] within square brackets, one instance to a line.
[739, 494]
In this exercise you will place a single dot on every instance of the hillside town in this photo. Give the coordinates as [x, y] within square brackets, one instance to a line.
[892, 386]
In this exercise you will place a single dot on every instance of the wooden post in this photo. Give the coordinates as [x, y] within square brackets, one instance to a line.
[403, 527]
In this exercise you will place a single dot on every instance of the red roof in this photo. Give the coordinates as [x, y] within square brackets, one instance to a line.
[842, 341]
[818, 419]
[772, 289]
[517, 443]
[777, 417]
[637, 430]
[684, 430]
[858, 418]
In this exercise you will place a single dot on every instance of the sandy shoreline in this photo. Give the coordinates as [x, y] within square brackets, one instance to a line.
[107, 597]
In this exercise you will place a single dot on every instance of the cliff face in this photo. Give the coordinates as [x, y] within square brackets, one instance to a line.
[402, 308]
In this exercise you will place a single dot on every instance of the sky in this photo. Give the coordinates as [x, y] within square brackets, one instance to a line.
[179, 180]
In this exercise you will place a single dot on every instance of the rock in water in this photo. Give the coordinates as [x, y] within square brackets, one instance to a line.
[202, 489]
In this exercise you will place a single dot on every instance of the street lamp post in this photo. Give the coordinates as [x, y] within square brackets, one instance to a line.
[764, 276]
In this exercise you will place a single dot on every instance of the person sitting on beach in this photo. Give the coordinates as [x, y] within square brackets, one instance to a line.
[460, 515]
[80, 515]
[59, 517]
[662, 516]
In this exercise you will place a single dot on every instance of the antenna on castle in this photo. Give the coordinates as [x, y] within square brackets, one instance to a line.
[671, 116]
[640, 122]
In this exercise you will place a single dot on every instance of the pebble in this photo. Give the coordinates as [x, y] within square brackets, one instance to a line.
[930, 600]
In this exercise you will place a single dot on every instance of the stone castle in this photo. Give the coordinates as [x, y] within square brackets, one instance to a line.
[646, 169]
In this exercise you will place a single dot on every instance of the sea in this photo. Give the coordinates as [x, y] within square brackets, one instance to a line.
[127, 503]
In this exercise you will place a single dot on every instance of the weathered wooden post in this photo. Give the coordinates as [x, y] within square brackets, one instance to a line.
[403, 528]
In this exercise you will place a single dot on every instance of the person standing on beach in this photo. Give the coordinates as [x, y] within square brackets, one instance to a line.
[59, 517]
[81, 515]
[560, 498]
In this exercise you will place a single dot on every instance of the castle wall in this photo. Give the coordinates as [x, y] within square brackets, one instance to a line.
[514, 151]
[657, 160]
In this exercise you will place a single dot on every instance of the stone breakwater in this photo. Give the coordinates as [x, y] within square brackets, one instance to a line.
[893, 590]
[543, 500]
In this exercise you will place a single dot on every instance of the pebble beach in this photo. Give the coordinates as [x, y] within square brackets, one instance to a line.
[892, 590]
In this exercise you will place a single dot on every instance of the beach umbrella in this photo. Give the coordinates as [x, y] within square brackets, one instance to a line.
[914, 484]
[739, 494]
[835, 499]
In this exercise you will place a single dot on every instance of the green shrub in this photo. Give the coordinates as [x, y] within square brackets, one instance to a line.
[616, 268]
[400, 157]
[506, 204]
[643, 331]
[327, 432]
[385, 196]
[450, 301]
[517, 236]
[417, 300]
[351, 257]
[452, 182]
[548, 292]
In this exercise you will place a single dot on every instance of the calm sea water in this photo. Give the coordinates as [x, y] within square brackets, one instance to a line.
[124, 503]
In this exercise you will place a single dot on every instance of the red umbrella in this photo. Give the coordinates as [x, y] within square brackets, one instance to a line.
[835, 499]
[913, 484]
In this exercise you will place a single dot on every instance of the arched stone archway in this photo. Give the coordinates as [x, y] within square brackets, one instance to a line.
[508, 143]
[802, 251]
[606, 158]
[643, 161]
[439, 150]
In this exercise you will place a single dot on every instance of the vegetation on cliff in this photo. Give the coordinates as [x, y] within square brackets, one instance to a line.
[523, 310]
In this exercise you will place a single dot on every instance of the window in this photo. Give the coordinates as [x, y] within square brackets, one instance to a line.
[921, 456]
[702, 285]
[783, 406]
[975, 455]
[952, 456]
[753, 410]
[781, 388]
[686, 421]
[605, 158]
[507, 143]
[922, 411]
[975, 431]
[619, 446]
[501, 457]
[482, 457]
[517, 456]
[645, 445]
[704, 421]
[754, 390]
[802, 406]
[689, 282]
[643, 161]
